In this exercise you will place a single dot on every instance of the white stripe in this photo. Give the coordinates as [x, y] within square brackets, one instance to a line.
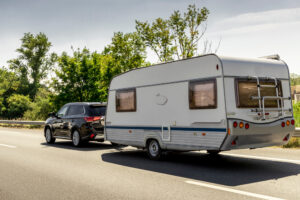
[262, 158]
[8, 131]
[9, 146]
[250, 194]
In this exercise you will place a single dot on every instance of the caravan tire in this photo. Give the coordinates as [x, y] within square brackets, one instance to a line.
[153, 150]
[213, 152]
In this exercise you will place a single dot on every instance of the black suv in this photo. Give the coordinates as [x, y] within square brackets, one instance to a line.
[79, 122]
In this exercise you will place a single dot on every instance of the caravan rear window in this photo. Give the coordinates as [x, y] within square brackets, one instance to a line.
[202, 94]
[126, 100]
[245, 89]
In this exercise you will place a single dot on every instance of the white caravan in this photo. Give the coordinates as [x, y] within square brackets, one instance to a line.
[208, 102]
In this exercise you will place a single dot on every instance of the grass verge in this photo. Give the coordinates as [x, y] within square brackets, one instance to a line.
[22, 126]
[293, 143]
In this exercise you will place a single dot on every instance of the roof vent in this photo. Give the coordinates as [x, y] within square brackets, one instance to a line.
[274, 57]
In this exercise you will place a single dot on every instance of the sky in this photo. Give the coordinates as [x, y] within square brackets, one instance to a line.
[244, 28]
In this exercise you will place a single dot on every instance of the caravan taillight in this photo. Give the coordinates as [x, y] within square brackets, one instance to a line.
[247, 126]
[292, 122]
[241, 124]
[235, 124]
[287, 122]
[282, 124]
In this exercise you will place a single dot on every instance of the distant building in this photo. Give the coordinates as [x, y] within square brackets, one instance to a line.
[295, 93]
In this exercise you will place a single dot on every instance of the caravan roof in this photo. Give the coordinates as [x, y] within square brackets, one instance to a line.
[200, 67]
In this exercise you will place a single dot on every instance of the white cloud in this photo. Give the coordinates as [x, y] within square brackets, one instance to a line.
[259, 34]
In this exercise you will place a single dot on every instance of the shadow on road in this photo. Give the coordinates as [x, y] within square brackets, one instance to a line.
[90, 146]
[221, 169]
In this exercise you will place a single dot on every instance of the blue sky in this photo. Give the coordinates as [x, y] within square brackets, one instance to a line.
[246, 28]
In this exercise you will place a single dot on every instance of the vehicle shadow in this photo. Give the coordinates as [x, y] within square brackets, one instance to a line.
[90, 146]
[221, 169]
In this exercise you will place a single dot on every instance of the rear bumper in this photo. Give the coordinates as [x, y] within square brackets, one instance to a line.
[258, 135]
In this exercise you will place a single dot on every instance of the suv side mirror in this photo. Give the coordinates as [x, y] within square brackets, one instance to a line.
[53, 114]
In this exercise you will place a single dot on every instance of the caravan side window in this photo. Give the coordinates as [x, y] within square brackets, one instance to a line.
[126, 100]
[203, 94]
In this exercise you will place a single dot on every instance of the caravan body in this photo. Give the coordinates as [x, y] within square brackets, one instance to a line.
[203, 103]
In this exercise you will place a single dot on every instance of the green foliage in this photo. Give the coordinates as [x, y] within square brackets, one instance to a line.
[128, 51]
[41, 107]
[177, 36]
[78, 78]
[9, 83]
[33, 63]
[296, 110]
[293, 143]
[17, 105]
[295, 79]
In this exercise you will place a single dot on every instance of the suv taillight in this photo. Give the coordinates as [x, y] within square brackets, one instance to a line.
[92, 119]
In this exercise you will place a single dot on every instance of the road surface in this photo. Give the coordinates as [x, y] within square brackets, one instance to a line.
[31, 169]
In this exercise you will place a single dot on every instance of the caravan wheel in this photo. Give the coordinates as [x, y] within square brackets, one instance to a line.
[213, 152]
[154, 150]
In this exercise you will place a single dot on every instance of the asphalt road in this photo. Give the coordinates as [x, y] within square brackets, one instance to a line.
[31, 169]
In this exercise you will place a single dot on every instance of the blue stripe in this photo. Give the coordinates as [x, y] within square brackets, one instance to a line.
[172, 128]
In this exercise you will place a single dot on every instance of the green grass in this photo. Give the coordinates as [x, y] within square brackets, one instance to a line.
[21, 126]
[297, 119]
[293, 143]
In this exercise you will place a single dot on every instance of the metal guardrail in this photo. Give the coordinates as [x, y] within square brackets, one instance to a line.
[22, 122]
[297, 132]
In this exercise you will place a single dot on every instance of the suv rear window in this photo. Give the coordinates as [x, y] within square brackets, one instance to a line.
[245, 89]
[97, 110]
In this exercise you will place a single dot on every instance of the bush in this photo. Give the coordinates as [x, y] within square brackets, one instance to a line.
[296, 109]
[40, 108]
[293, 143]
[17, 105]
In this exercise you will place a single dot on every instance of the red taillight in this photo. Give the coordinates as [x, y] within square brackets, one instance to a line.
[91, 119]
[292, 122]
[233, 142]
[92, 135]
[247, 126]
[282, 124]
[235, 124]
[286, 138]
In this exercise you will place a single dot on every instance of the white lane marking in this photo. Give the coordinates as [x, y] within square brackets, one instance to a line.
[226, 189]
[9, 146]
[2, 131]
[262, 158]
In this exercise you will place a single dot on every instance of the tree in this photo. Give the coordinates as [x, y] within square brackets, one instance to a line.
[41, 107]
[128, 51]
[9, 84]
[78, 78]
[33, 63]
[177, 36]
[158, 37]
[17, 105]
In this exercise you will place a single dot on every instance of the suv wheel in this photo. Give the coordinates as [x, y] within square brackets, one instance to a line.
[48, 136]
[76, 140]
[153, 150]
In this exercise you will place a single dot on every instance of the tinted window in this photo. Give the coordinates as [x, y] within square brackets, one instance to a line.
[76, 110]
[97, 110]
[62, 112]
[126, 100]
[248, 88]
[202, 94]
